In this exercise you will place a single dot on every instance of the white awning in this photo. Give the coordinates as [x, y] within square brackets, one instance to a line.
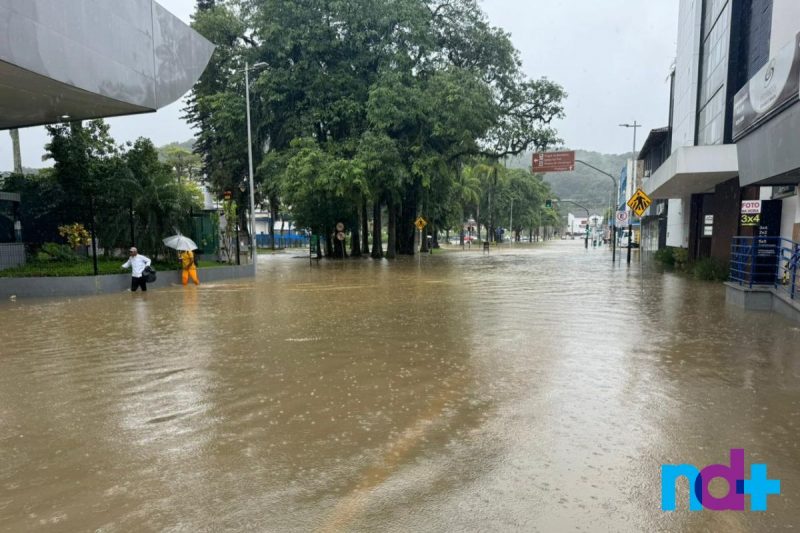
[693, 170]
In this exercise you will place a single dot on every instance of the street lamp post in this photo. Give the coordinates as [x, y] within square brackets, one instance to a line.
[253, 247]
[614, 212]
[632, 179]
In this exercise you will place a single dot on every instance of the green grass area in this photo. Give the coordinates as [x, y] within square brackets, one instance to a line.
[83, 267]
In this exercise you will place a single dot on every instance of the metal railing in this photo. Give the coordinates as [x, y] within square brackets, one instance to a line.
[766, 261]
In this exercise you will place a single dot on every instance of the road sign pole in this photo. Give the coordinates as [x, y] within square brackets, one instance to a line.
[630, 238]
[614, 239]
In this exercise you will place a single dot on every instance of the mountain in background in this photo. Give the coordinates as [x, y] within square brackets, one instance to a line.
[584, 185]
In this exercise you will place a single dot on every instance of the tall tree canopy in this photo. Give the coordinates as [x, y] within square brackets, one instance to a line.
[357, 102]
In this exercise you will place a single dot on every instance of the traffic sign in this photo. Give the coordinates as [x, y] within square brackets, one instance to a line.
[622, 217]
[639, 202]
[553, 162]
[340, 236]
[339, 226]
[420, 223]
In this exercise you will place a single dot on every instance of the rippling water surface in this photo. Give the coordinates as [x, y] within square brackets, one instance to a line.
[531, 389]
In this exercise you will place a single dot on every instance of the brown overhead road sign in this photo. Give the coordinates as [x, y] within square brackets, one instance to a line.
[553, 162]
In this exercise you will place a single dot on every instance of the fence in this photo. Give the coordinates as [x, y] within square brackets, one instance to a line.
[41, 245]
[766, 261]
[282, 241]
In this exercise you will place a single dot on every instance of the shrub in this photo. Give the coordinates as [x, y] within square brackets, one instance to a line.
[75, 234]
[665, 256]
[51, 251]
[710, 269]
[680, 258]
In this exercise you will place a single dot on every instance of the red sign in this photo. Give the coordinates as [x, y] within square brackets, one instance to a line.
[553, 162]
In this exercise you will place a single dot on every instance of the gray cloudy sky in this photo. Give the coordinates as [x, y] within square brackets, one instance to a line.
[612, 56]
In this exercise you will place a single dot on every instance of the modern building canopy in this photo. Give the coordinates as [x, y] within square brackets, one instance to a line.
[83, 59]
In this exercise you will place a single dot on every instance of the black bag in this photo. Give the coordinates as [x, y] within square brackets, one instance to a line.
[149, 274]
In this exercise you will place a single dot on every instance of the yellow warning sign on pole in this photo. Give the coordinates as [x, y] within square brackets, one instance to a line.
[420, 223]
[639, 202]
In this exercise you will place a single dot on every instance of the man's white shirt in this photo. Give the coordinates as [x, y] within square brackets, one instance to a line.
[137, 264]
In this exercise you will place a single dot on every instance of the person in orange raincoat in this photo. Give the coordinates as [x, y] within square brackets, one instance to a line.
[189, 267]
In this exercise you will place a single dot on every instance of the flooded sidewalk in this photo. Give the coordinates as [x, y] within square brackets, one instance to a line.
[531, 389]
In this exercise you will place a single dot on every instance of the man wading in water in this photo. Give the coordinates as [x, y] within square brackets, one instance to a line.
[137, 263]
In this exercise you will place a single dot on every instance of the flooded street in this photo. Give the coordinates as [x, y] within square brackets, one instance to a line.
[528, 390]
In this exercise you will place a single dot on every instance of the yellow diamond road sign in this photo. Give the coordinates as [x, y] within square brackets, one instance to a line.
[639, 202]
[420, 223]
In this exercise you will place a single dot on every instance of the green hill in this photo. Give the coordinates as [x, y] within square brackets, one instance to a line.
[584, 185]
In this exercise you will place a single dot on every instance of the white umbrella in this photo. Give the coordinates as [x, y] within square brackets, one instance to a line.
[180, 242]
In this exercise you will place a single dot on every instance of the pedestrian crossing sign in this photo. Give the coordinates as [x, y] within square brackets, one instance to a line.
[639, 202]
[420, 223]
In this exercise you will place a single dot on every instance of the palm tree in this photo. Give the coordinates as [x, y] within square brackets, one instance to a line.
[466, 192]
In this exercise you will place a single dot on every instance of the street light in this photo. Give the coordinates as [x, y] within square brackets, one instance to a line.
[253, 247]
[631, 178]
[614, 211]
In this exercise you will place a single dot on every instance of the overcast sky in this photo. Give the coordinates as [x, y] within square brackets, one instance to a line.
[612, 56]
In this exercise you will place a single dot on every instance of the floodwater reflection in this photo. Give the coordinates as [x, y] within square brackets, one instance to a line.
[531, 389]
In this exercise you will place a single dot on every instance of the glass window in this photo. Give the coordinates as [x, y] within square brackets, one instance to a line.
[711, 120]
[713, 72]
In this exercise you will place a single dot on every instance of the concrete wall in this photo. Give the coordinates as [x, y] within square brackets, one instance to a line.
[90, 285]
[687, 66]
[92, 58]
[790, 216]
[725, 206]
[12, 255]
[785, 23]
[678, 222]
[762, 299]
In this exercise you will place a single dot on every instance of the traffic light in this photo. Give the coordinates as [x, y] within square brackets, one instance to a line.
[548, 203]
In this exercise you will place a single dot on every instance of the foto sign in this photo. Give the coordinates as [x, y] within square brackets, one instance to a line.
[751, 207]
[553, 162]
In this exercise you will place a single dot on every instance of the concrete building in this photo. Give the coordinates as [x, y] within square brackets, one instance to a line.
[86, 59]
[734, 126]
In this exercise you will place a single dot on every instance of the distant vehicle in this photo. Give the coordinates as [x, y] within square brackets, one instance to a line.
[622, 242]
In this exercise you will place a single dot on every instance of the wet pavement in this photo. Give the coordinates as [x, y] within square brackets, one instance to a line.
[528, 390]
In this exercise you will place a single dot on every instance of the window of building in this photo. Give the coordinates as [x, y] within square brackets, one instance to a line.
[713, 72]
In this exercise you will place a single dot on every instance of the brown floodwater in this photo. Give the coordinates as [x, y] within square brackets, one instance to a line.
[528, 390]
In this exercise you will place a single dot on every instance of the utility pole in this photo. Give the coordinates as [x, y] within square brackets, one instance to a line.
[614, 211]
[511, 221]
[631, 179]
[253, 244]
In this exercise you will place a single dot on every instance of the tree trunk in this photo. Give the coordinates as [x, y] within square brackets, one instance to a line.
[16, 150]
[423, 235]
[355, 239]
[377, 241]
[364, 227]
[273, 214]
[328, 241]
[405, 228]
[391, 243]
[435, 232]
